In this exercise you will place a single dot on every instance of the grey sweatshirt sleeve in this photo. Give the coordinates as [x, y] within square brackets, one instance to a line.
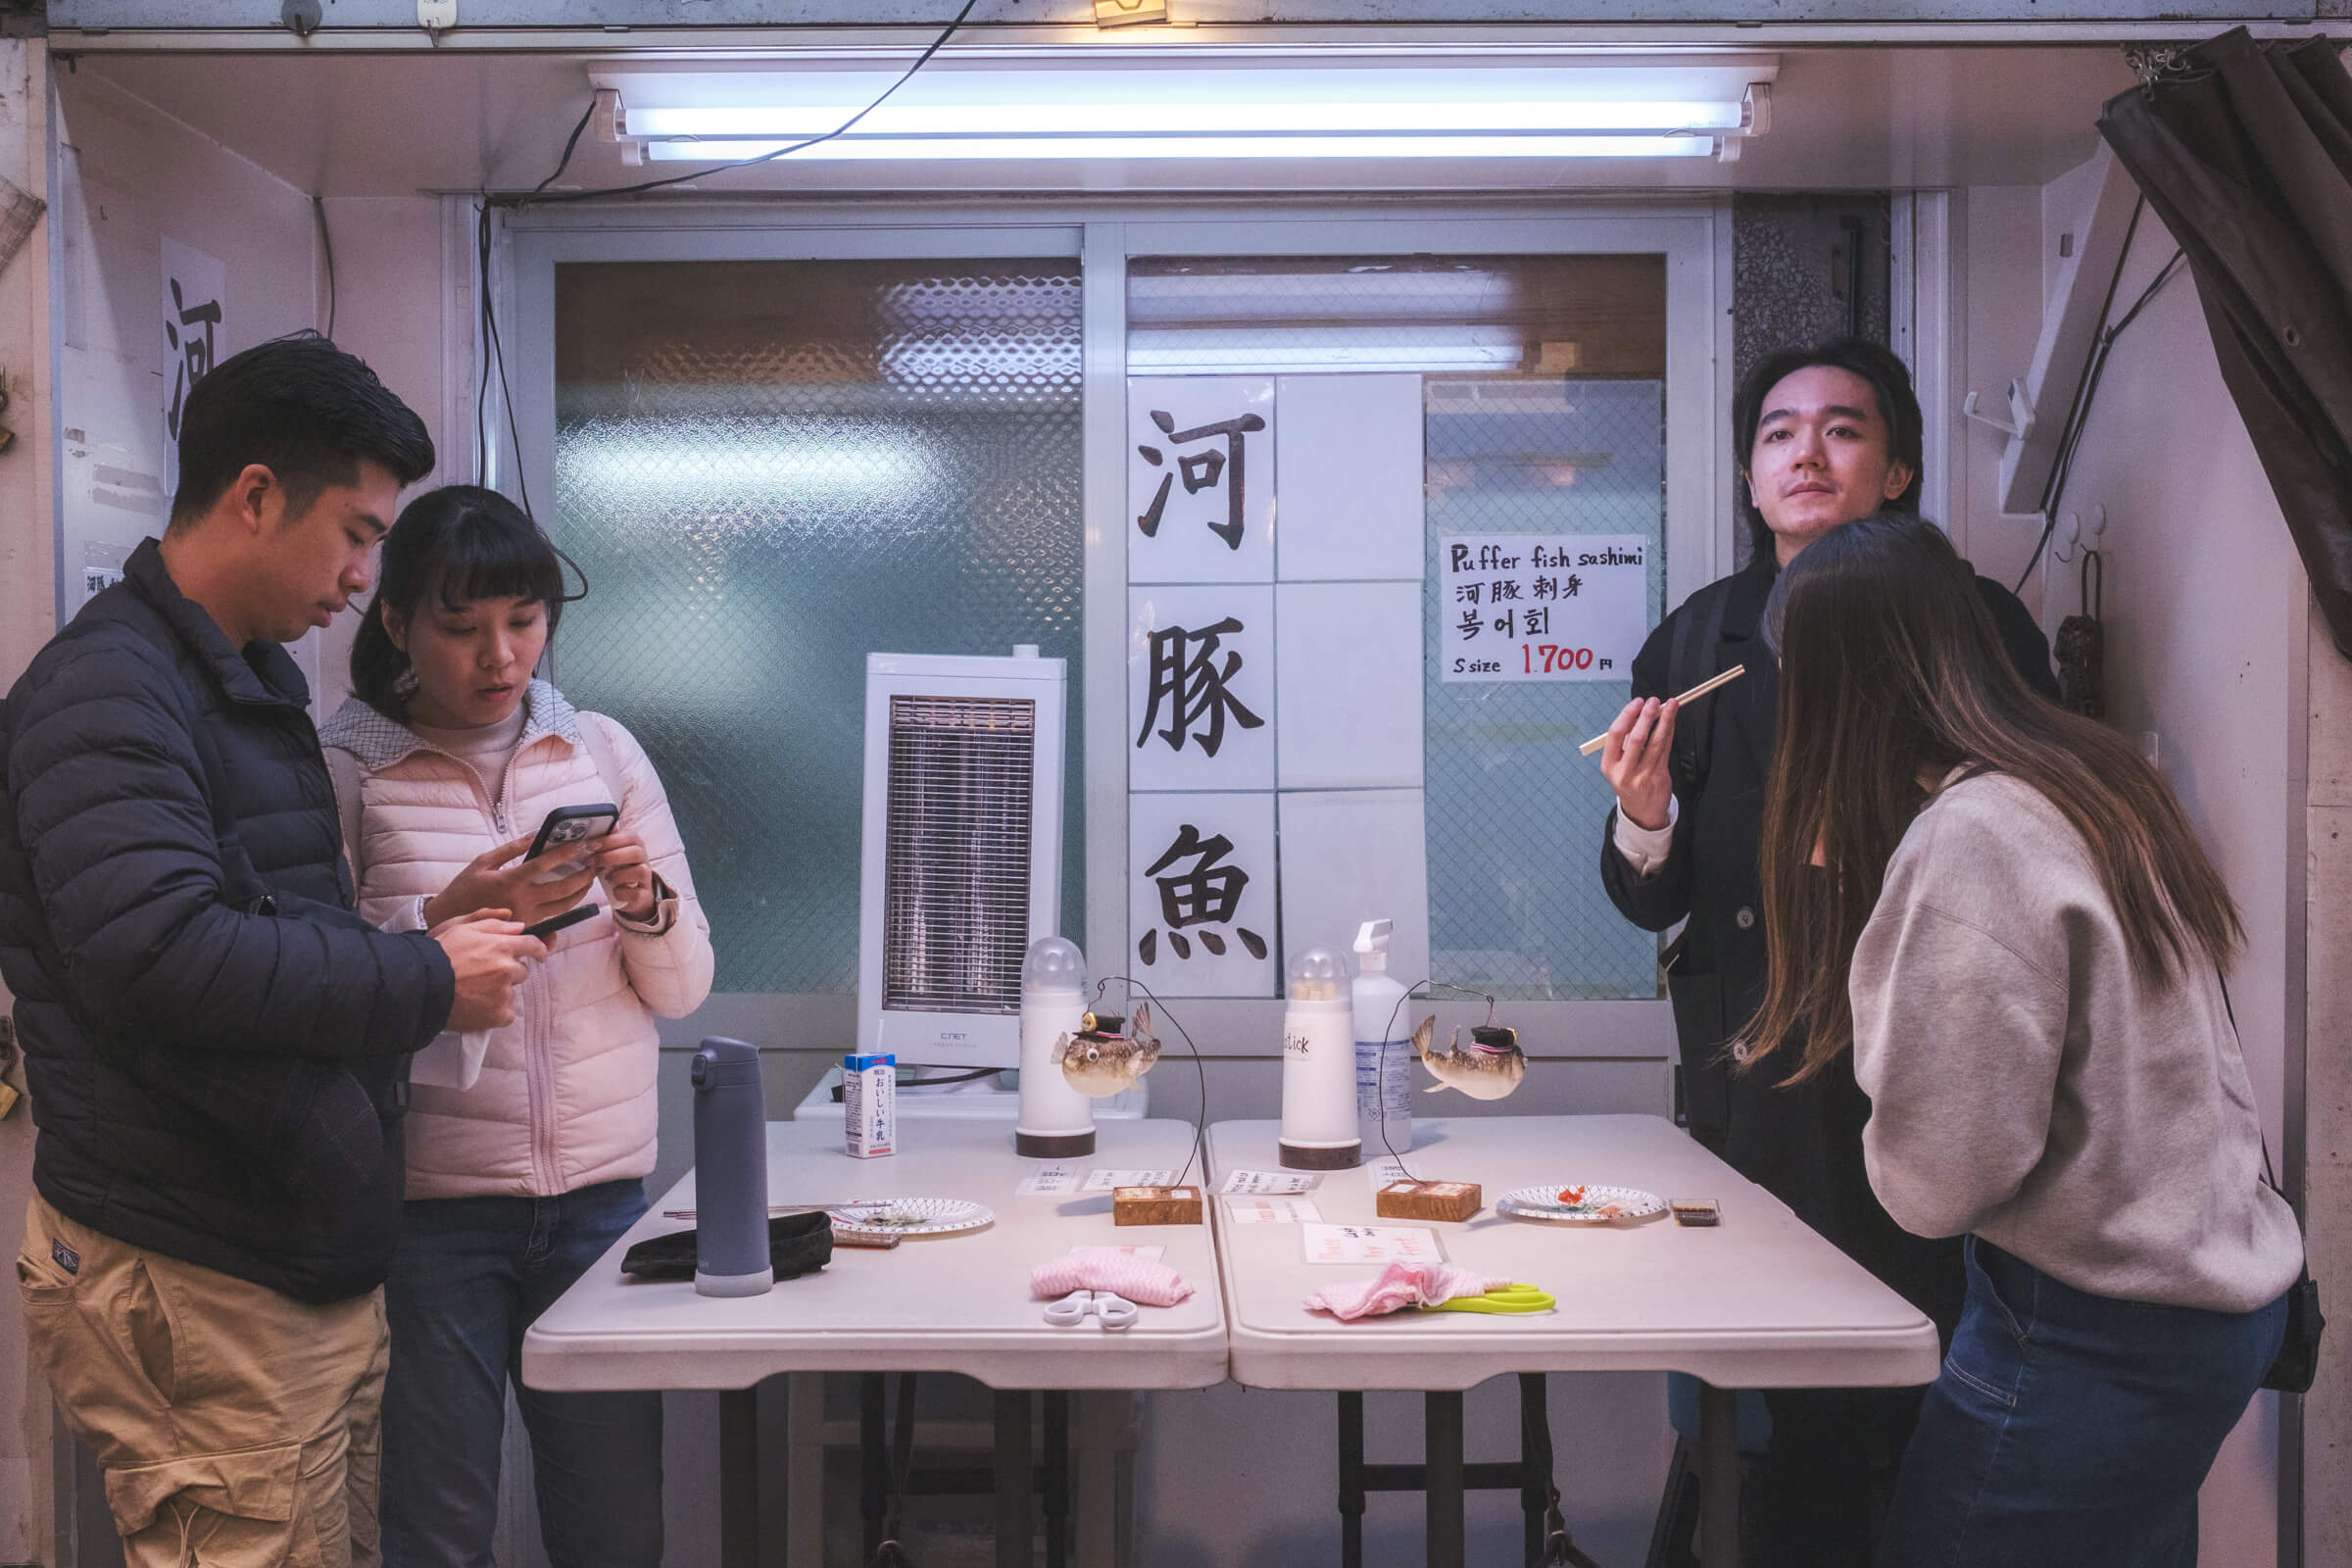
[1958, 1034]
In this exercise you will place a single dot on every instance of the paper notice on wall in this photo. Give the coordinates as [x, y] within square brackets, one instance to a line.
[194, 332]
[1541, 607]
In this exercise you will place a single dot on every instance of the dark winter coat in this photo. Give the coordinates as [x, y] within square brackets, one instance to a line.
[1802, 1143]
[214, 1043]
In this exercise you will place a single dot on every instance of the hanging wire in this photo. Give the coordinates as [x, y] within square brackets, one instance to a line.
[326, 243]
[1380, 1071]
[1199, 1146]
[921, 60]
[2078, 416]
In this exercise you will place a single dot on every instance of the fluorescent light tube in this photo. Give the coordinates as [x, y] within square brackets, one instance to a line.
[1150, 118]
[919, 149]
[1068, 106]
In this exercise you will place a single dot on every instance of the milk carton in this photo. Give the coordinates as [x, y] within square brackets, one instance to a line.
[869, 1104]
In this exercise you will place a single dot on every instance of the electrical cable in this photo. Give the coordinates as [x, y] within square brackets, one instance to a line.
[326, 243]
[1199, 1120]
[1380, 1071]
[571, 142]
[494, 352]
[921, 60]
[2078, 413]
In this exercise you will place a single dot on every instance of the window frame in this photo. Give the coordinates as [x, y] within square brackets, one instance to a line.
[1694, 236]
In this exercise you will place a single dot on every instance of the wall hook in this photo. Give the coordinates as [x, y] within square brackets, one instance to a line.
[2021, 412]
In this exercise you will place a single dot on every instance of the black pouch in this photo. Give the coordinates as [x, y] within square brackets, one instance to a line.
[797, 1245]
[2298, 1361]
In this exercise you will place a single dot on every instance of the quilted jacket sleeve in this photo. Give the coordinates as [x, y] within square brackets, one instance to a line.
[667, 958]
[106, 782]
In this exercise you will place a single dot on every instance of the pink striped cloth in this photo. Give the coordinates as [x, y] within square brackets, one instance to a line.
[1144, 1281]
[1400, 1285]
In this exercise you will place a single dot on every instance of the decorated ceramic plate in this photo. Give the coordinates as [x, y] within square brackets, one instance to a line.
[912, 1216]
[1590, 1205]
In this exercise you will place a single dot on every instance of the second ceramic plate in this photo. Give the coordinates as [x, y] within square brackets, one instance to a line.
[1571, 1204]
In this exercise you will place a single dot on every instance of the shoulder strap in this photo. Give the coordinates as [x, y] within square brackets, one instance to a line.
[2269, 1176]
[1697, 634]
[600, 752]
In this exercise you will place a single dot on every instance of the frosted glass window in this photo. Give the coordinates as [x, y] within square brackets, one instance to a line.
[1543, 405]
[768, 469]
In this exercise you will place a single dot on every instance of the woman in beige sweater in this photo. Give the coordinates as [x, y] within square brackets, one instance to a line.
[2000, 907]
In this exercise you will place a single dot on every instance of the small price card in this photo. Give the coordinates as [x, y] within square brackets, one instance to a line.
[1149, 1253]
[1271, 1182]
[1046, 1180]
[1271, 1210]
[1103, 1181]
[1370, 1243]
[1385, 1171]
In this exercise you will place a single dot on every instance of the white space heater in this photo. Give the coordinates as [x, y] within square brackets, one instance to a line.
[960, 864]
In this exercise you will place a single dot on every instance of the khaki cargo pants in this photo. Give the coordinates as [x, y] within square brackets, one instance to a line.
[237, 1428]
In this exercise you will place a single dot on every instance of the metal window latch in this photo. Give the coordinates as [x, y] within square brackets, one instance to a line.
[435, 14]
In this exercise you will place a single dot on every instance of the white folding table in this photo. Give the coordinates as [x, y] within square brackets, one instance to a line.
[955, 1303]
[1759, 1300]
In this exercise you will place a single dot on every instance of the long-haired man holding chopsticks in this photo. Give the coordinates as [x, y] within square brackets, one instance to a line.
[1823, 437]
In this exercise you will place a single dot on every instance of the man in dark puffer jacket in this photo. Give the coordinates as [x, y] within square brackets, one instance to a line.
[216, 1044]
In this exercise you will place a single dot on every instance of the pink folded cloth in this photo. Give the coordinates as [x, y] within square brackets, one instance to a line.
[1142, 1279]
[1400, 1285]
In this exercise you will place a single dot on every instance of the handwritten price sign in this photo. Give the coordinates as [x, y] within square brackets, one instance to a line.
[1541, 607]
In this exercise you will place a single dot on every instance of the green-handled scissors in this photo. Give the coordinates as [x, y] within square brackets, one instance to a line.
[1501, 1299]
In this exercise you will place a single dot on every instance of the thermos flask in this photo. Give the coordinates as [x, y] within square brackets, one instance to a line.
[730, 1171]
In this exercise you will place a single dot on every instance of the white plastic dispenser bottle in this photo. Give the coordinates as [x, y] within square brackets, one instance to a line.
[1056, 1121]
[1384, 1048]
[1318, 1064]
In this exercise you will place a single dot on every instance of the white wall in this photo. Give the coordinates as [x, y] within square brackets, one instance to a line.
[2205, 612]
[28, 478]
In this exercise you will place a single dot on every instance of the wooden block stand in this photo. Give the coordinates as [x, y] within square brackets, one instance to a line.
[1155, 1205]
[1450, 1201]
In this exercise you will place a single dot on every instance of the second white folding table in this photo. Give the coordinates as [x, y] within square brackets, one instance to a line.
[1758, 1300]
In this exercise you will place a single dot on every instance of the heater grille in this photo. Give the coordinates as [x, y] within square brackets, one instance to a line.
[955, 873]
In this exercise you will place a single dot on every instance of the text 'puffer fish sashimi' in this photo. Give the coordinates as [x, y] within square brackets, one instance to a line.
[1489, 1069]
[1109, 1055]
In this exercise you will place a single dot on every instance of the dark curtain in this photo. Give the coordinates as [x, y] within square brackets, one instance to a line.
[2245, 151]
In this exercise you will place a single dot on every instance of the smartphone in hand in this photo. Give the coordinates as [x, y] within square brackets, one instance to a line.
[574, 824]
[561, 922]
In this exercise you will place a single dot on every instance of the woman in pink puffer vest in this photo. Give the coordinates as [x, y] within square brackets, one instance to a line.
[527, 1146]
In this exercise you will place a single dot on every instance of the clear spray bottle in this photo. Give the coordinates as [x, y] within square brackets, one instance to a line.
[1384, 1048]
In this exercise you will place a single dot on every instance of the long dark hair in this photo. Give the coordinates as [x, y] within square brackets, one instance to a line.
[1892, 669]
[1889, 379]
[458, 543]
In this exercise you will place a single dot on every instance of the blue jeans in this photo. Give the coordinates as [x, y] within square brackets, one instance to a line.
[2068, 1427]
[469, 1275]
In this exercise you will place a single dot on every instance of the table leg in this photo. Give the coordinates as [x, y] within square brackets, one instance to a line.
[1718, 1477]
[873, 1459]
[1058, 1480]
[1351, 1481]
[1014, 1479]
[739, 1477]
[1442, 1441]
[1534, 1473]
